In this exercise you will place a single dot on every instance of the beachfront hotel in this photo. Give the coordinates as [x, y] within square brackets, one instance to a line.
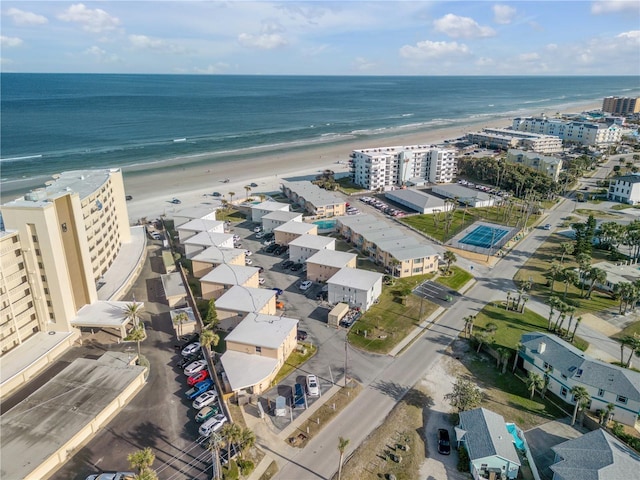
[505, 138]
[549, 165]
[621, 105]
[64, 247]
[380, 168]
[584, 133]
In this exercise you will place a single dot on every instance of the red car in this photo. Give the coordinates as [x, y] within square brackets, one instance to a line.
[198, 377]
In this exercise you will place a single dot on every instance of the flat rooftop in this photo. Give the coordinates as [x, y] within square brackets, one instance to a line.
[103, 314]
[282, 216]
[218, 255]
[268, 331]
[298, 228]
[245, 370]
[230, 274]
[245, 299]
[415, 197]
[455, 190]
[331, 258]
[355, 278]
[271, 206]
[206, 239]
[173, 285]
[316, 242]
[40, 425]
[202, 225]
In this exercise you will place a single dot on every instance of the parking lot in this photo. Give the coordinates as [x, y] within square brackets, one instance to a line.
[437, 293]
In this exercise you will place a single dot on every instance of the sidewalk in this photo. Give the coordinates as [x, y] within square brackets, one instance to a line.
[417, 331]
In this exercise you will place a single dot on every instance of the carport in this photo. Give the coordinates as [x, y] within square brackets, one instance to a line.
[105, 314]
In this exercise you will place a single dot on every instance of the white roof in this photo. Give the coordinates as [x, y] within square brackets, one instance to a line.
[199, 211]
[313, 193]
[355, 278]
[218, 255]
[415, 197]
[295, 227]
[331, 258]
[283, 216]
[619, 273]
[455, 190]
[230, 274]
[201, 225]
[244, 370]
[313, 241]
[407, 250]
[209, 239]
[270, 205]
[245, 299]
[103, 314]
[260, 330]
[173, 285]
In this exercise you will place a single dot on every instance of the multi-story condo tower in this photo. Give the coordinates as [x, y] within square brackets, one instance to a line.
[378, 168]
[59, 241]
[584, 133]
[621, 105]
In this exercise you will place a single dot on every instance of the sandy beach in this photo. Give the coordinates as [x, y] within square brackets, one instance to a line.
[153, 186]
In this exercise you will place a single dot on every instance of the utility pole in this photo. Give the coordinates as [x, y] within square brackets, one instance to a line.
[346, 345]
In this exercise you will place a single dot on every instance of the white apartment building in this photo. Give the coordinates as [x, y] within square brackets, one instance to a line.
[505, 138]
[379, 168]
[551, 166]
[625, 189]
[584, 133]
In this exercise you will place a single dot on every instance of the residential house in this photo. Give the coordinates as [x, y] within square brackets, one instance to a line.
[484, 435]
[198, 225]
[203, 240]
[324, 264]
[358, 288]
[615, 274]
[273, 220]
[264, 208]
[547, 164]
[174, 289]
[238, 301]
[287, 232]
[186, 214]
[566, 367]
[223, 277]
[625, 189]
[256, 350]
[313, 199]
[306, 245]
[595, 455]
[205, 261]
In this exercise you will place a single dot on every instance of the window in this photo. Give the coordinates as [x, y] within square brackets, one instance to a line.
[601, 393]
[258, 349]
[621, 399]
[563, 391]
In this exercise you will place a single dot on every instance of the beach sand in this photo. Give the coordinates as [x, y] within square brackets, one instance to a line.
[153, 186]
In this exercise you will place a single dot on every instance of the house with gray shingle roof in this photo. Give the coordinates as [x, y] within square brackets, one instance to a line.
[566, 367]
[489, 444]
[595, 456]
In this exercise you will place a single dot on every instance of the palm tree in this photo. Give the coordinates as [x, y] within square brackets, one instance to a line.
[546, 379]
[450, 258]
[524, 302]
[211, 320]
[554, 271]
[179, 320]
[581, 397]
[137, 334]
[569, 275]
[468, 325]
[567, 249]
[247, 189]
[554, 302]
[342, 445]
[132, 312]
[571, 310]
[247, 440]
[584, 263]
[573, 335]
[515, 358]
[534, 381]
[483, 337]
[231, 195]
[505, 354]
[142, 460]
[508, 298]
[597, 275]
[208, 339]
[633, 342]
[605, 415]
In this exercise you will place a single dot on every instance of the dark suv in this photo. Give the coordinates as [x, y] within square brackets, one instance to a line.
[444, 446]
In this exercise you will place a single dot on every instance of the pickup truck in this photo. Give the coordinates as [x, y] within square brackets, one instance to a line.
[299, 400]
[199, 388]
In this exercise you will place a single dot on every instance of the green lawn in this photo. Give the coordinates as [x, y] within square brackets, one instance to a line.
[232, 215]
[348, 187]
[456, 279]
[597, 213]
[389, 321]
[632, 329]
[296, 359]
[623, 206]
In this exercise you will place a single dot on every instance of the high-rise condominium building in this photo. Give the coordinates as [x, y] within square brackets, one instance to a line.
[57, 243]
[621, 105]
[377, 168]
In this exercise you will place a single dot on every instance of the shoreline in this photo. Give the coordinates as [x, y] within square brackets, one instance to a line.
[153, 185]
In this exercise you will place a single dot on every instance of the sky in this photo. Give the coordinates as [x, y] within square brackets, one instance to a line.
[348, 37]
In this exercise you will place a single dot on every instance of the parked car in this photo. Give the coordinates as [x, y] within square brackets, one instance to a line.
[216, 194]
[444, 446]
[253, 185]
[259, 234]
[271, 248]
[322, 296]
[261, 280]
[190, 349]
[257, 229]
[175, 201]
[266, 243]
[199, 388]
[260, 269]
[278, 291]
[280, 249]
[269, 236]
[248, 261]
[280, 305]
[207, 412]
[207, 398]
[313, 389]
[301, 335]
[198, 377]
[212, 425]
[299, 399]
[248, 253]
[190, 359]
[287, 264]
[306, 285]
[296, 267]
[195, 367]
[547, 226]
[112, 476]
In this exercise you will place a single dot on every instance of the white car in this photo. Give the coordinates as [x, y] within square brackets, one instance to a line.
[261, 280]
[260, 234]
[236, 237]
[266, 243]
[212, 425]
[257, 229]
[248, 261]
[306, 285]
[313, 389]
[207, 398]
[190, 349]
[195, 367]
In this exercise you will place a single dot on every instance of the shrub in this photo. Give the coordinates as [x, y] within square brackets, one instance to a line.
[246, 467]
[230, 472]
[463, 460]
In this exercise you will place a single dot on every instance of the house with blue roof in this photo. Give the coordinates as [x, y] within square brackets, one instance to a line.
[566, 367]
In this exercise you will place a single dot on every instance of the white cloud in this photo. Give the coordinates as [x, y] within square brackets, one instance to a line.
[614, 6]
[94, 21]
[632, 36]
[362, 64]
[219, 67]
[20, 17]
[10, 41]
[428, 49]
[529, 57]
[461, 27]
[485, 62]
[101, 55]
[503, 14]
[143, 42]
[265, 41]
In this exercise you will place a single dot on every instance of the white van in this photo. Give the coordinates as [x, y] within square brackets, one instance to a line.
[212, 425]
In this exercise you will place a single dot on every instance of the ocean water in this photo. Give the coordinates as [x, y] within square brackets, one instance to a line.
[56, 122]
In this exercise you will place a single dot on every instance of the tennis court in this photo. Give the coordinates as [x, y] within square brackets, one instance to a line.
[484, 236]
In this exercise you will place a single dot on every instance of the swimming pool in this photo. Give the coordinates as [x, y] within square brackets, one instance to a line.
[325, 224]
[511, 428]
[484, 236]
